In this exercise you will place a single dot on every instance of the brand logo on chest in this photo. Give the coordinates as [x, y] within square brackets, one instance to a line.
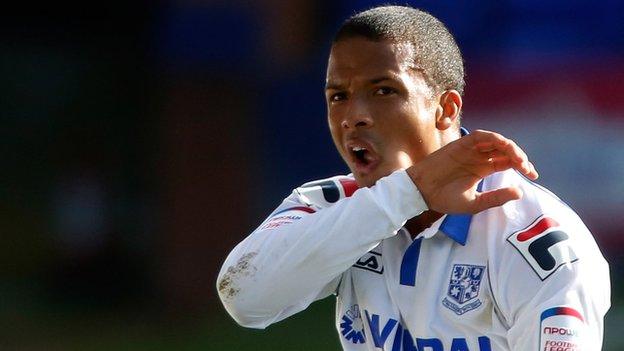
[371, 261]
[544, 245]
[463, 289]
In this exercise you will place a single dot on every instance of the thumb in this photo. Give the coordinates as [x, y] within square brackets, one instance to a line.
[494, 198]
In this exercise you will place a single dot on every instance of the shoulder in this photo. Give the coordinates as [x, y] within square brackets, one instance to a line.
[310, 198]
[538, 211]
[537, 234]
[539, 249]
[325, 192]
[536, 198]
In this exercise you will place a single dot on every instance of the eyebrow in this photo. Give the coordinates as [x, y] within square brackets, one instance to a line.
[335, 86]
[380, 79]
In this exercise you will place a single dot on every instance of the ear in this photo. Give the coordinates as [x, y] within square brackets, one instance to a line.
[448, 109]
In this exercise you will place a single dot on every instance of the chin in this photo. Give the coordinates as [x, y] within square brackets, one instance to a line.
[366, 181]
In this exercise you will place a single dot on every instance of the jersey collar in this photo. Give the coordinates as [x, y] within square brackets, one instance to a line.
[456, 226]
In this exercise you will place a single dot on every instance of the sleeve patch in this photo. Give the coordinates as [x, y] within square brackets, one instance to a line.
[544, 245]
[561, 328]
[283, 217]
[324, 193]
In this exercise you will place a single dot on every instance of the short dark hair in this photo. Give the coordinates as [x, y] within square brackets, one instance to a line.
[436, 51]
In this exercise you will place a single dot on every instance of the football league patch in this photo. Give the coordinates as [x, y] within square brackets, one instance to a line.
[544, 245]
[463, 289]
[561, 328]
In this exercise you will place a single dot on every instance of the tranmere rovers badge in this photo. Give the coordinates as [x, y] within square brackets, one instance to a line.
[463, 288]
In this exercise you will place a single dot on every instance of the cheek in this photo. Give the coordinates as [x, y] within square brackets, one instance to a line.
[404, 133]
[334, 130]
[336, 134]
[408, 140]
[333, 120]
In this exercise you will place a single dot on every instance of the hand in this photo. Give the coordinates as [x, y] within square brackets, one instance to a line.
[447, 179]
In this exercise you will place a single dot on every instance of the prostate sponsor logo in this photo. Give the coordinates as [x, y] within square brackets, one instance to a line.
[463, 289]
[561, 329]
[371, 261]
[391, 335]
[352, 326]
[544, 245]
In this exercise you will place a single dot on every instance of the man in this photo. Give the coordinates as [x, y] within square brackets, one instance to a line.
[411, 268]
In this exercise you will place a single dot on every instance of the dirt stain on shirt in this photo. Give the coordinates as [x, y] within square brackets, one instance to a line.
[227, 284]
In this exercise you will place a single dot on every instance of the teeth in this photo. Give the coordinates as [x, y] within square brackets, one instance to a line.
[358, 148]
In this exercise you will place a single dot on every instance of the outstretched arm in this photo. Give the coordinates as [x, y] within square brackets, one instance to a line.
[298, 254]
[282, 267]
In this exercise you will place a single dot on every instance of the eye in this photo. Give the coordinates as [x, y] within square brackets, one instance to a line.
[337, 97]
[384, 91]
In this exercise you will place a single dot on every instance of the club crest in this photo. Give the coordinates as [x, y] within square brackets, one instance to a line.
[463, 288]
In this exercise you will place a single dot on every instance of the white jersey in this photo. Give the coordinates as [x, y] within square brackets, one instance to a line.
[524, 276]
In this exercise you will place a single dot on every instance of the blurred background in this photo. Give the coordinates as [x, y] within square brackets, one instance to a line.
[142, 140]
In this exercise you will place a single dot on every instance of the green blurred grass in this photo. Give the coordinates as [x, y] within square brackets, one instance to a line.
[27, 323]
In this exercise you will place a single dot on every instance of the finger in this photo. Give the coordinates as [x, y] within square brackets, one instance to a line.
[518, 156]
[502, 163]
[486, 141]
[485, 147]
[533, 173]
[498, 142]
[492, 162]
[484, 136]
[515, 152]
[487, 155]
[495, 161]
[494, 198]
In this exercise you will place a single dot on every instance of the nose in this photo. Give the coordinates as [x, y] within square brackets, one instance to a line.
[358, 116]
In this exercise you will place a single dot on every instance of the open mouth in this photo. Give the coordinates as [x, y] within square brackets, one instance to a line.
[363, 157]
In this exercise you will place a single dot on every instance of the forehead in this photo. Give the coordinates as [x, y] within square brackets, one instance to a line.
[360, 57]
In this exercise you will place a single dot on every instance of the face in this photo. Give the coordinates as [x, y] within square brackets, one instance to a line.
[381, 112]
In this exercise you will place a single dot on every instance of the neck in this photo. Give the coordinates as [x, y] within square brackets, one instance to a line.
[421, 222]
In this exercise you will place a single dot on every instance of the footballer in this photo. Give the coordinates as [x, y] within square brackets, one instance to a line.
[438, 239]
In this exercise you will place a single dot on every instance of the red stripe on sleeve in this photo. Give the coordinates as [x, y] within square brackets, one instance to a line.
[570, 312]
[349, 186]
[297, 208]
[304, 209]
[538, 228]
